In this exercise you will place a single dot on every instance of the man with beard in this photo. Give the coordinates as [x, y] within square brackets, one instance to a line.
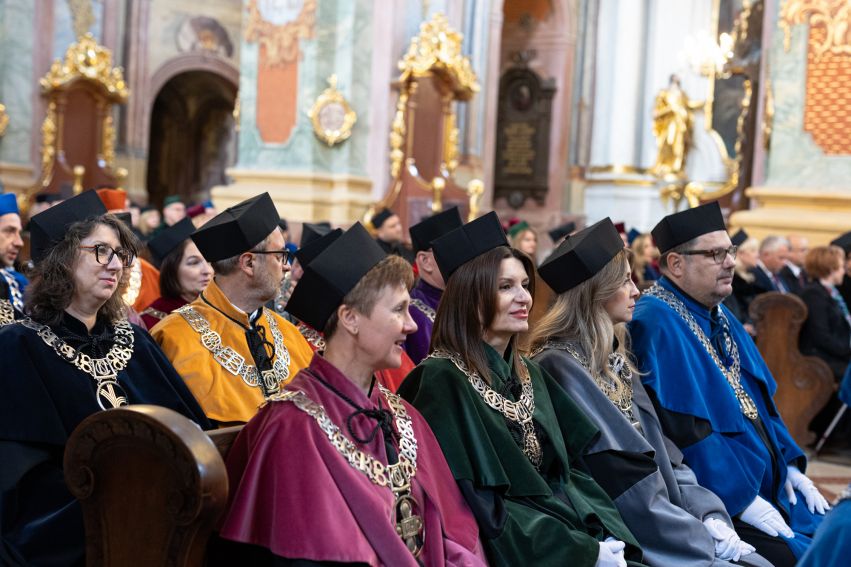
[12, 282]
[713, 391]
[233, 352]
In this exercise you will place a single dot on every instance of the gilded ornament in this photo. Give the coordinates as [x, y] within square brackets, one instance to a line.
[331, 115]
[475, 189]
[834, 16]
[82, 15]
[450, 146]
[277, 36]
[397, 136]
[108, 141]
[85, 59]
[4, 120]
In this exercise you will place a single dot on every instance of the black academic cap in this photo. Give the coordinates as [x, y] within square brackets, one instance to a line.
[126, 218]
[686, 225]
[433, 227]
[47, 197]
[843, 241]
[581, 256]
[381, 216]
[332, 274]
[312, 231]
[739, 238]
[561, 231]
[49, 227]
[461, 245]
[282, 223]
[237, 229]
[169, 238]
[308, 252]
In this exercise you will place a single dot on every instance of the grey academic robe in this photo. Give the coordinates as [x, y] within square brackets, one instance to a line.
[655, 492]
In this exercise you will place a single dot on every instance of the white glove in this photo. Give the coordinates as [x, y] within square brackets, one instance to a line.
[762, 515]
[796, 480]
[728, 545]
[611, 553]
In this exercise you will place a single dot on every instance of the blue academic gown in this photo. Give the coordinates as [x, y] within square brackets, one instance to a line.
[700, 413]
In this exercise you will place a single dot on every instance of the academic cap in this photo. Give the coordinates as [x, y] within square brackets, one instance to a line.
[113, 199]
[581, 256]
[679, 228]
[332, 274]
[310, 231]
[427, 230]
[8, 204]
[237, 229]
[49, 227]
[169, 238]
[459, 246]
[739, 238]
[315, 246]
[172, 199]
[561, 231]
[381, 217]
[843, 241]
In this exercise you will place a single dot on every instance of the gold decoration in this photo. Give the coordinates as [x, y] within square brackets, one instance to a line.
[835, 16]
[87, 60]
[83, 16]
[768, 115]
[4, 120]
[280, 41]
[48, 144]
[331, 115]
[475, 189]
[678, 189]
[108, 140]
[438, 184]
[397, 136]
[450, 145]
[437, 49]
[79, 172]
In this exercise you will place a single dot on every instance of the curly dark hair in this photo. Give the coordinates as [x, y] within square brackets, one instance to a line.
[52, 286]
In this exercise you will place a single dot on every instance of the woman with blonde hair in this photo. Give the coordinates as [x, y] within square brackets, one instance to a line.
[747, 256]
[644, 257]
[582, 342]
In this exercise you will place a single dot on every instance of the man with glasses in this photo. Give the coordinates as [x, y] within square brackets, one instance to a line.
[713, 391]
[233, 352]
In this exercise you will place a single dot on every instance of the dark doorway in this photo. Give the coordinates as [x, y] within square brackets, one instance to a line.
[192, 137]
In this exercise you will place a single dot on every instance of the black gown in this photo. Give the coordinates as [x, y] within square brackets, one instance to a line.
[42, 399]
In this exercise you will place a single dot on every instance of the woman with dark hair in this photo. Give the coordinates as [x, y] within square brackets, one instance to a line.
[511, 435]
[184, 273]
[336, 469]
[582, 341]
[72, 355]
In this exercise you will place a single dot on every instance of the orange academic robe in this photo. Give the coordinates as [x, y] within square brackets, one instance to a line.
[224, 396]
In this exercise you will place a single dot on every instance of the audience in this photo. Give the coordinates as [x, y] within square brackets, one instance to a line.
[772, 259]
[793, 274]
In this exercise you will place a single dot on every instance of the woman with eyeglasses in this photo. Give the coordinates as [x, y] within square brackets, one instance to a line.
[582, 342]
[73, 354]
[184, 273]
[512, 437]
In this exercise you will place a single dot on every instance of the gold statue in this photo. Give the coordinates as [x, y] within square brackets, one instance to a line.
[673, 122]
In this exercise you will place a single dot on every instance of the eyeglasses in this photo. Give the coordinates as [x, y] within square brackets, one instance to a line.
[717, 254]
[285, 255]
[104, 254]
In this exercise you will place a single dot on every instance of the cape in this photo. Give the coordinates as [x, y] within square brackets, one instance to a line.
[42, 399]
[699, 411]
[417, 344]
[553, 517]
[296, 495]
[642, 471]
[157, 311]
[225, 397]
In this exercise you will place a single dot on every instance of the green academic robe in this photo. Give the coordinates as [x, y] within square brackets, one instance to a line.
[553, 517]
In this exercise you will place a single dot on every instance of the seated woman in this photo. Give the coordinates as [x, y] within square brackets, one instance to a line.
[184, 273]
[511, 435]
[582, 343]
[333, 469]
[73, 355]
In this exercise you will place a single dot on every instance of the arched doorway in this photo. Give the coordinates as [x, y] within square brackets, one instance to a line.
[192, 137]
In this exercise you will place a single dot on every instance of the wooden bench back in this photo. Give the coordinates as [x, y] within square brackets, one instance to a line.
[151, 483]
[804, 383]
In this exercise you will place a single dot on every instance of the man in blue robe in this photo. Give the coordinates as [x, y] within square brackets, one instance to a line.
[713, 391]
[12, 282]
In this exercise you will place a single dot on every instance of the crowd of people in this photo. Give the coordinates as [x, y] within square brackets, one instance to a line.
[398, 406]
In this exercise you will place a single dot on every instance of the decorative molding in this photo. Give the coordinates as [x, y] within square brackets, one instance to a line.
[834, 16]
[88, 60]
[279, 40]
[332, 116]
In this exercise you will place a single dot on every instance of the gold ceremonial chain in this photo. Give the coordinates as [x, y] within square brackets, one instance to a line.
[104, 370]
[7, 313]
[424, 309]
[732, 374]
[397, 477]
[622, 400]
[234, 362]
[519, 412]
[312, 336]
[155, 313]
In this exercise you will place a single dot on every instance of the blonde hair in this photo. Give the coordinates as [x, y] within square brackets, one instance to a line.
[579, 315]
[639, 262]
[751, 244]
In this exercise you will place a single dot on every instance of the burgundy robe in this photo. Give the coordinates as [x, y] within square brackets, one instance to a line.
[296, 495]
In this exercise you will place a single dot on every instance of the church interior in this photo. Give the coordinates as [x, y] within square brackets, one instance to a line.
[554, 114]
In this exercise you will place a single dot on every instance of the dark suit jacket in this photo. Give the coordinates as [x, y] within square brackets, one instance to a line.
[792, 283]
[825, 334]
[761, 282]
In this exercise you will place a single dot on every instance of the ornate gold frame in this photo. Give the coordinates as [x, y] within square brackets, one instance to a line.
[332, 96]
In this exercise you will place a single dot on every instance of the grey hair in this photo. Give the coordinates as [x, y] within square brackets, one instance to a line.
[772, 243]
[228, 266]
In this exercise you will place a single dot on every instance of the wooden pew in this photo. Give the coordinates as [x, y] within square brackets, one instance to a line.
[151, 483]
[804, 383]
